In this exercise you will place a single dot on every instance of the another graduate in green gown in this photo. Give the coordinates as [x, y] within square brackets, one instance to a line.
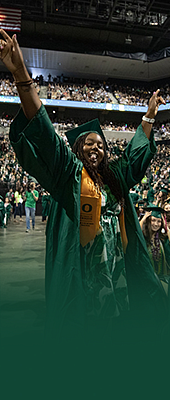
[7, 207]
[2, 212]
[97, 265]
[45, 200]
[157, 237]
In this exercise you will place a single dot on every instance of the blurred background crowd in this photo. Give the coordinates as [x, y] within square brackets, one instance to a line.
[62, 88]
[154, 187]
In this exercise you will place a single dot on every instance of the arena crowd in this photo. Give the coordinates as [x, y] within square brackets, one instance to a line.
[58, 88]
[12, 175]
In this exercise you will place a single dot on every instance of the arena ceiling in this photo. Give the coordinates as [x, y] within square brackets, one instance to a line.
[93, 27]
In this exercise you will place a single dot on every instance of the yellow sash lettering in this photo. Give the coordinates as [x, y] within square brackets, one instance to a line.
[90, 209]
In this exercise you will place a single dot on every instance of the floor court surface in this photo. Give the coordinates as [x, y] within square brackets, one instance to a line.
[22, 281]
[25, 370]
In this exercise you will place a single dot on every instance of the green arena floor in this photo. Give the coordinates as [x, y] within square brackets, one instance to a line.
[28, 371]
[22, 281]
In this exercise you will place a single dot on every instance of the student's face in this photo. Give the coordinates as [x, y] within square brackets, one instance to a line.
[32, 185]
[155, 224]
[167, 207]
[93, 149]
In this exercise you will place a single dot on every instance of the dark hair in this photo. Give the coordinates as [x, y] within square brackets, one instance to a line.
[148, 232]
[29, 185]
[154, 242]
[18, 187]
[102, 175]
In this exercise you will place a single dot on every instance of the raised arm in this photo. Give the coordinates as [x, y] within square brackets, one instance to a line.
[11, 55]
[151, 113]
[142, 147]
[40, 151]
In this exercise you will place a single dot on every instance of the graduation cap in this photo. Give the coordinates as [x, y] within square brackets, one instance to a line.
[32, 179]
[139, 203]
[156, 211]
[1, 198]
[88, 127]
[164, 190]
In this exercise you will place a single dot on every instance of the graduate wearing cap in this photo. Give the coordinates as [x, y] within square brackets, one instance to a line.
[166, 207]
[162, 196]
[2, 212]
[45, 201]
[134, 195]
[150, 195]
[95, 247]
[7, 208]
[158, 241]
[139, 208]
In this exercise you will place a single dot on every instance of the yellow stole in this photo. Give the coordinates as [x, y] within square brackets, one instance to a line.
[123, 230]
[90, 209]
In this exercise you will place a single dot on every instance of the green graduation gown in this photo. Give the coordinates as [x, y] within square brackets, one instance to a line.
[44, 155]
[2, 213]
[45, 200]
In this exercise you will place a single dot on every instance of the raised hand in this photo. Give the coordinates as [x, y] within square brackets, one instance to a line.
[147, 214]
[10, 53]
[154, 104]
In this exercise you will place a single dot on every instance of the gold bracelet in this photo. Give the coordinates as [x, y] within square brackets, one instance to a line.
[24, 83]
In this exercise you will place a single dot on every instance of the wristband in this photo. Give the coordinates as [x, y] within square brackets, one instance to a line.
[24, 83]
[149, 120]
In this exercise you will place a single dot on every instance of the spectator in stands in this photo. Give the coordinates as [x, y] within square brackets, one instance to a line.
[162, 196]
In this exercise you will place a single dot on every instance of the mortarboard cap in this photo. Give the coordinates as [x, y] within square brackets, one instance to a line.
[164, 190]
[32, 179]
[140, 203]
[91, 126]
[156, 211]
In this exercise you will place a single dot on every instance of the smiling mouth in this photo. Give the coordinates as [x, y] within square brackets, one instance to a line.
[93, 157]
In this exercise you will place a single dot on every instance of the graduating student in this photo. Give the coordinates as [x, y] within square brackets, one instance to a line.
[97, 264]
[157, 237]
[45, 200]
[2, 212]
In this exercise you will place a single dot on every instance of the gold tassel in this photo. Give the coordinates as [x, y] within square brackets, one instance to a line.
[123, 230]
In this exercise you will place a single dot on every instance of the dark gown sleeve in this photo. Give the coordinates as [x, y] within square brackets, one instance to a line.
[137, 156]
[166, 245]
[44, 155]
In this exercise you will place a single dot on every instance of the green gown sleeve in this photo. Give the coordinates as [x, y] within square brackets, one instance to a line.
[166, 245]
[137, 156]
[2, 213]
[44, 155]
[45, 205]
